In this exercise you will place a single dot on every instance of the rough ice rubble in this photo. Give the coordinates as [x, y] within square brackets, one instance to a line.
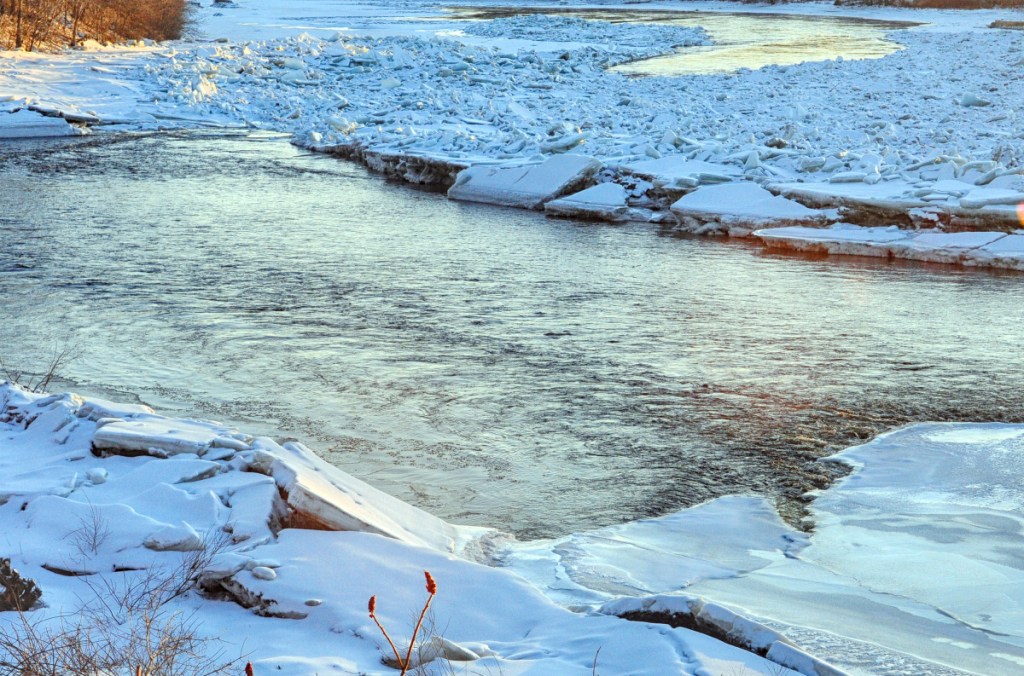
[301, 593]
[634, 40]
[832, 134]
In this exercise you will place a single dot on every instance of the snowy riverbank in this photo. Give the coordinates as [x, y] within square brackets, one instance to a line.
[928, 137]
[929, 512]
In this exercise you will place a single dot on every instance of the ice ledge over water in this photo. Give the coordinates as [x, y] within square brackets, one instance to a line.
[913, 565]
[975, 249]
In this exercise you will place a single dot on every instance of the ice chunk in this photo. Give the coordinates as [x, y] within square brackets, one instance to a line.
[676, 169]
[180, 538]
[526, 186]
[743, 202]
[27, 124]
[604, 201]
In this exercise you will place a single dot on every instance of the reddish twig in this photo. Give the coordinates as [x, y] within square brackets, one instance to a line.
[372, 607]
[432, 590]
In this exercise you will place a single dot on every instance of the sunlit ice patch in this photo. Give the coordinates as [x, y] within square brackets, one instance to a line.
[1020, 213]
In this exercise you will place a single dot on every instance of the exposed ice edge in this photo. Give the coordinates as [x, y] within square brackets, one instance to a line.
[304, 544]
[972, 249]
[913, 557]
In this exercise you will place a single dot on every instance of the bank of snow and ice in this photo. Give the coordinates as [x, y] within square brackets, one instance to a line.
[910, 566]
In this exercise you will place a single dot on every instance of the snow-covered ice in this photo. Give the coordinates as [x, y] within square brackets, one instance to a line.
[988, 249]
[741, 205]
[911, 565]
[528, 186]
[604, 201]
[25, 123]
[300, 571]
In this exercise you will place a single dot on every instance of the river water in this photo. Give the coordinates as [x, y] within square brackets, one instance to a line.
[490, 365]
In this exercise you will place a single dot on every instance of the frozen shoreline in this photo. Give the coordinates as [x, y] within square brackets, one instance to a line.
[420, 102]
[929, 510]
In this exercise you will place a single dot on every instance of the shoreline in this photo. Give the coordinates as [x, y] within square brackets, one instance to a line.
[166, 487]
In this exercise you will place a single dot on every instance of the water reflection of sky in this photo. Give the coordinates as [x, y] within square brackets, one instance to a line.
[490, 365]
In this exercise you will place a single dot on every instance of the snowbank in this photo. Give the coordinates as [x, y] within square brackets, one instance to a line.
[96, 495]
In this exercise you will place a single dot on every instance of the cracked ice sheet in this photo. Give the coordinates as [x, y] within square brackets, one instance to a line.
[914, 561]
[918, 551]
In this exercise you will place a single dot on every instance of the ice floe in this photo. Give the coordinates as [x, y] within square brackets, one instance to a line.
[988, 249]
[25, 123]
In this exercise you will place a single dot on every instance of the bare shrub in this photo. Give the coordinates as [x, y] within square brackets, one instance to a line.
[35, 24]
[19, 593]
[124, 625]
[61, 352]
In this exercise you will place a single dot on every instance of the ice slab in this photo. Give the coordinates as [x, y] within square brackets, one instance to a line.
[1007, 252]
[330, 499]
[604, 201]
[27, 124]
[526, 186]
[980, 249]
[743, 202]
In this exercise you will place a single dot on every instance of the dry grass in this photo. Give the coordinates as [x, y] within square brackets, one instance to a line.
[124, 624]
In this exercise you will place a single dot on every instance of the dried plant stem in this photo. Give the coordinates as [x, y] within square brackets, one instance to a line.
[412, 641]
[390, 642]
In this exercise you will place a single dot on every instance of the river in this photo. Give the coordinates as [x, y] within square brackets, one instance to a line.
[490, 365]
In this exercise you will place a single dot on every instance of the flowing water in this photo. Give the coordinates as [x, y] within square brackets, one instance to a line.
[493, 366]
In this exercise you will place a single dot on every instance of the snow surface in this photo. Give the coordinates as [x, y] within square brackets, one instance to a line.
[307, 589]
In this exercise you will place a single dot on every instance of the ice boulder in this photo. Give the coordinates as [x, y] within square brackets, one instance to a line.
[526, 186]
[27, 124]
[604, 201]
